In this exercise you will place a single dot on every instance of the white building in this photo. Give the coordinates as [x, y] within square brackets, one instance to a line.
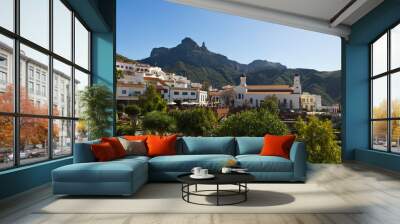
[190, 95]
[244, 95]
[34, 81]
[137, 76]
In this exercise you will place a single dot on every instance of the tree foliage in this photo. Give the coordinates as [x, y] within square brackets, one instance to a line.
[252, 123]
[33, 131]
[320, 140]
[379, 129]
[151, 100]
[120, 74]
[157, 122]
[97, 103]
[133, 111]
[195, 122]
[271, 104]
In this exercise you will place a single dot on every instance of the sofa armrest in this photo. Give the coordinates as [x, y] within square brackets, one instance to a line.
[298, 156]
[83, 152]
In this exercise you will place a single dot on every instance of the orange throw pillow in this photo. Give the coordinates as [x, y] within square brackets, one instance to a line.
[103, 152]
[161, 145]
[277, 145]
[116, 145]
[135, 137]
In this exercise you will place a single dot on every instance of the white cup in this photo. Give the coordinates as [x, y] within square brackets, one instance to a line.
[226, 170]
[203, 172]
[196, 171]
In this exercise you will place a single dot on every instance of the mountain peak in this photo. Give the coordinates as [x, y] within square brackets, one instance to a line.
[187, 41]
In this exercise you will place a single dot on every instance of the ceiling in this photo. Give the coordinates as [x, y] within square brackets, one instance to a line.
[333, 17]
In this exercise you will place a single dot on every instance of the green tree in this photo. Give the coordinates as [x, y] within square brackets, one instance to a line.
[133, 111]
[157, 122]
[252, 123]
[271, 104]
[97, 104]
[120, 74]
[151, 100]
[320, 140]
[125, 128]
[195, 122]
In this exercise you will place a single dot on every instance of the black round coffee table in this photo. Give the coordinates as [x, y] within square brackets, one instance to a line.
[238, 179]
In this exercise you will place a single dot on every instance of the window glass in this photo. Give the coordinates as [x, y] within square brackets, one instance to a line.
[7, 14]
[6, 74]
[33, 140]
[379, 56]
[62, 89]
[379, 135]
[395, 95]
[38, 102]
[379, 98]
[62, 138]
[395, 47]
[81, 45]
[34, 20]
[6, 142]
[395, 138]
[62, 29]
[81, 131]
[81, 82]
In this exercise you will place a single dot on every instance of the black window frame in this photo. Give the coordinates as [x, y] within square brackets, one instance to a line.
[388, 74]
[16, 115]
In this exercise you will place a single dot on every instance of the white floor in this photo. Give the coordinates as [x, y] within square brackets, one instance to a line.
[377, 190]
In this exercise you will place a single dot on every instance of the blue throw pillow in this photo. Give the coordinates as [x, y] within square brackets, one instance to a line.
[249, 145]
[208, 145]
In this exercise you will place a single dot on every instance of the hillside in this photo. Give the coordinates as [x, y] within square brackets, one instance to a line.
[202, 65]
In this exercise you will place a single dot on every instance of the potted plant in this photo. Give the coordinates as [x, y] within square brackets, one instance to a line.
[97, 102]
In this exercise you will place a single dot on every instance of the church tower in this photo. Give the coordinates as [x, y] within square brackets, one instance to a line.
[243, 80]
[296, 84]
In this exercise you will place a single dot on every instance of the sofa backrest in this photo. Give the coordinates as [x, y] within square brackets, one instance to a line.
[249, 145]
[206, 145]
[83, 153]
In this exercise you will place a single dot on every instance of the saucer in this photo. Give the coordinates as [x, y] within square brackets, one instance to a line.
[208, 176]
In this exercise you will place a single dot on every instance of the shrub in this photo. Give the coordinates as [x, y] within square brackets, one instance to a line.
[252, 123]
[125, 128]
[133, 111]
[320, 140]
[271, 104]
[195, 122]
[151, 100]
[157, 122]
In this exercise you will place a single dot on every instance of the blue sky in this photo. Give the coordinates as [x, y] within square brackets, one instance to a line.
[145, 24]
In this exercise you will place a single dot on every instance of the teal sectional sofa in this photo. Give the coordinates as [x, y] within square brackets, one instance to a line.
[125, 176]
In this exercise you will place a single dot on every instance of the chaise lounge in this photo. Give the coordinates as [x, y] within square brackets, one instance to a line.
[125, 176]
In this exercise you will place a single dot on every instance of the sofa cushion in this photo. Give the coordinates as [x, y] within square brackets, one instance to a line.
[112, 171]
[249, 145]
[134, 147]
[257, 163]
[103, 152]
[208, 145]
[185, 163]
[116, 145]
[135, 137]
[275, 145]
[161, 145]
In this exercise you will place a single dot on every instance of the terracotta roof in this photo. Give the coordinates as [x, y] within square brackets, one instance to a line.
[121, 84]
[269, 93]
[188, 89]
[154, 79]
[215, 93]
[269, 87]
